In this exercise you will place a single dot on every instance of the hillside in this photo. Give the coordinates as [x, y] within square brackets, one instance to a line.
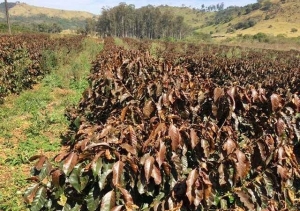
[276, 17]
[28, 14]
[23, 9]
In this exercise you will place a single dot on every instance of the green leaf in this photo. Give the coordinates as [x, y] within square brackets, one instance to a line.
[45, 171]
[268, 185]
[74, 178]
[158, 199]
[96, 167]
[67, 207]
[30, 193]
[140, 186]
[39, 200]
[107, 169]
[92, 200]
[77, 122]
[108, 201]
[77, 180]
[62, 200]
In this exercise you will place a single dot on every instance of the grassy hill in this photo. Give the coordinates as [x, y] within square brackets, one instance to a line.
[28, 14]
[274, 17]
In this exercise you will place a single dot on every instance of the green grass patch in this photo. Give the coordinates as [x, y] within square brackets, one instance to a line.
[31, 123]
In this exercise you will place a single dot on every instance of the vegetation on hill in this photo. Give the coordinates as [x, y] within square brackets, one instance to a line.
[272, 17]
[31, 17]
[146, 22]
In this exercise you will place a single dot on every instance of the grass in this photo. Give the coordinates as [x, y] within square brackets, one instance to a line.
[119, 42]
[29, 10]
[32, 122]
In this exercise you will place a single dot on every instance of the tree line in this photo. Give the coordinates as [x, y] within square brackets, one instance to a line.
[145, 22]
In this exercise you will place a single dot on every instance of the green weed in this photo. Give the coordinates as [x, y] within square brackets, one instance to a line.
[33, 122]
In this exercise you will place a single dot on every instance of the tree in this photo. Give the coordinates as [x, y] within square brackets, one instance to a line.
[146, 22]
[90, 26]
[7, 17]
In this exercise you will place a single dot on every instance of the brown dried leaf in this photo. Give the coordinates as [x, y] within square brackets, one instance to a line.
[242, 165]
[118, 169]
[232, 92]
[199, 193]
[108, 155]
[35, 157]
[222, 180]
[148, 167]
[280, 127]
[270, 142]
[108, 200]
[281, 155]
[206, 147]
[282, 172]
[128, 148]
[207, 192]
[40, 162]
[161, 154]
[156, 175]
[123, 113]
[254, 95]
[171, 97]
[33, 179]
[167, 168]
[296, 101]
[245, 199]
[229, 146]
[117, 208]
[81, 145]
[218, 92]
[61, 156]
[175, 136]
[149, 108]
[177, 162]
[276, 102]
[127, 196]
[106, 131]
[30, 193]
[262, 150]
[205, 178]
[190, 182]
[55, 177]
[165, 100]
[132, 136]
[70, 162]
[194, 138]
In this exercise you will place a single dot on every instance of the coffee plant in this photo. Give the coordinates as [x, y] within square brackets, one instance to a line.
[186, 131]
[21, 59]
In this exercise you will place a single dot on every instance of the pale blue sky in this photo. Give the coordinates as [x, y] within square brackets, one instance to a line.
[94, 6]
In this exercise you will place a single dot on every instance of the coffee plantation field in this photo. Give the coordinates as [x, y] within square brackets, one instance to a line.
[178, 126]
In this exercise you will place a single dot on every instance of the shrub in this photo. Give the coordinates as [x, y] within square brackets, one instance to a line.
[293, 30]
[230, 30]
[267, 6]
[261, 37]
[245, 25]
[281, 36]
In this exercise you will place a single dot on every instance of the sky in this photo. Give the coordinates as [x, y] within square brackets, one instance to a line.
[94, 6]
